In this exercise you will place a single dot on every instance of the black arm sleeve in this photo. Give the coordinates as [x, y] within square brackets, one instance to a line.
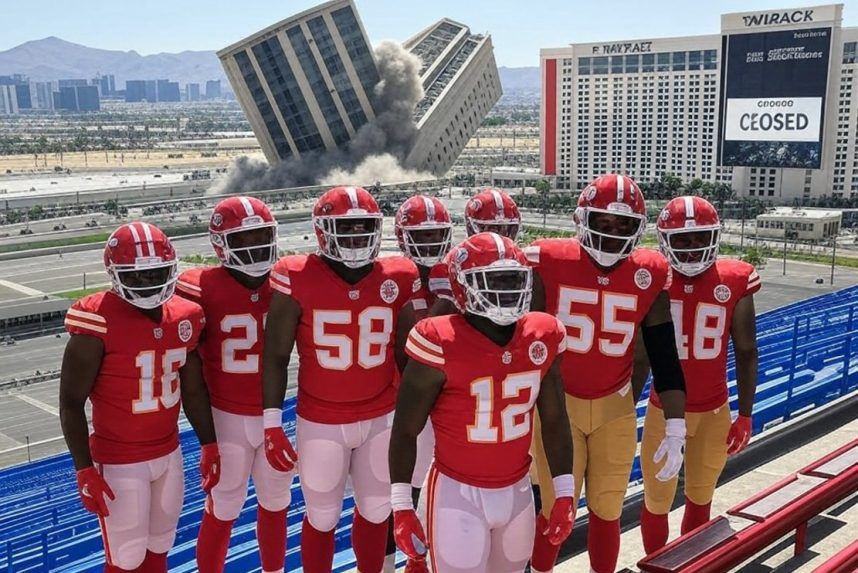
[660, 342]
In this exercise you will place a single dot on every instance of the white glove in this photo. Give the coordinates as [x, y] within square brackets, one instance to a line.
[672, 446]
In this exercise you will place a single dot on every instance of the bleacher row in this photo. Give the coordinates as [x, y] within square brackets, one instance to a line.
[808, 357]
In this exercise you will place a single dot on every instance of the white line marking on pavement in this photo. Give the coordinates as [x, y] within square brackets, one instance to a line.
[21, 288]
[38, 404]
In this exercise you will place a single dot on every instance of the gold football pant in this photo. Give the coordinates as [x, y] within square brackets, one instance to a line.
[705, 456]
[604, 440]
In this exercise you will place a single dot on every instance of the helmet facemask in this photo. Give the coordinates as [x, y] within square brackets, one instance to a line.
[500, 292]
[690, 251]
[428, 243]
[251, 249]
[608, 236]
[353, 240]
[147, 284]
[504, 227]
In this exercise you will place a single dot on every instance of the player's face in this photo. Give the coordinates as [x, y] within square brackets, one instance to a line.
[244, 241]
[505, 286]
[355, 233]
[508, 230]
[155, 278]
[616, 225]
[429, 242]
[690, 246]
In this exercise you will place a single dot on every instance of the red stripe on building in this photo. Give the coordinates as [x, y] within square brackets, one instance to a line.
[550, 149]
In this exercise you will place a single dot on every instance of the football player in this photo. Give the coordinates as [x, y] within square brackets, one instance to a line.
[478, 374]
[133, 355]
[343, 307]
[712, 301]
[490, 210]
[235, 296]
[604, 289]
[424, 232]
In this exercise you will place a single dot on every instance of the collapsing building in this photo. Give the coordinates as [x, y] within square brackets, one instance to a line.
[307, 85]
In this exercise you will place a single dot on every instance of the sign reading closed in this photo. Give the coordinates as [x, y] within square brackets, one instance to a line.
[773, 98]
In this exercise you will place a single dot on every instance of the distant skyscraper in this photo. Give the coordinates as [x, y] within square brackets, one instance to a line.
[193, 92]
[44, 92]
[72, 83]
[213, 89]
[24, 99]
[306, 82]
[461, 85]
[8, 99]
[168, 91]
[151, 91]
[135, 90]
[68, 98]
[87, 98]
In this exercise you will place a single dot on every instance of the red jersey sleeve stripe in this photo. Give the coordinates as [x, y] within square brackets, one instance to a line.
[421, 355]
[421, 340]
[436, 285]
[285, 289]
[188, 287]
[85, 326]
[532, 254]
[284, 279]
[86, 315]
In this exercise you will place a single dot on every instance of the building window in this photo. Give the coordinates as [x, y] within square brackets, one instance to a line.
[584, 66]
[663, 62]
[678, 61]
[600, 65]
[849, 51]
[616, 64]
[648, 63]
[710, 59]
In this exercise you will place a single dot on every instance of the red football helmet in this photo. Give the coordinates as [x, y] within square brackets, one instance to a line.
[490, 277]
[348, 226]
[243, 234]
[141, 263]
[610, 218]
[689, 233]
[492, 210]
[424, 229]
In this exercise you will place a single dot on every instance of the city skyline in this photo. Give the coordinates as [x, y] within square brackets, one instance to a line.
[517, 35]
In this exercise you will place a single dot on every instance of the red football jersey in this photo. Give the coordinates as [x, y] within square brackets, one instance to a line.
[702, 309]
[601, 311]
[482, 417]
[136, 395]
[345, 335]
[231, 346]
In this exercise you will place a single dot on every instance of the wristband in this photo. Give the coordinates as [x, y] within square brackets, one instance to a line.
[675, 427]
[564, 486]
[400, 497]
[272, 418]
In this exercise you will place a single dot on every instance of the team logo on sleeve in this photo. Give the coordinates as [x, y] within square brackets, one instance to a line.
[538, 352]
[389, 291]
[643, 279]
[186, 330]
[722, 293]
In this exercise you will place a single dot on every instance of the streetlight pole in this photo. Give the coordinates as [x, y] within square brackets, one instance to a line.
[742, 235]
[833, 253]
[785, 247]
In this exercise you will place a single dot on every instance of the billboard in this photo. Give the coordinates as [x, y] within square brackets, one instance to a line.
[773, 98]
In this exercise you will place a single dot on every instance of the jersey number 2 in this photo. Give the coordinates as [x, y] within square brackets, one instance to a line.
[171, 361]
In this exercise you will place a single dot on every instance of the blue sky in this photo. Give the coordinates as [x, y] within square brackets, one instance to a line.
[519, 28]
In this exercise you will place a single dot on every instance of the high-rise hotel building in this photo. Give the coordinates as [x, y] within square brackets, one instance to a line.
[647, 107]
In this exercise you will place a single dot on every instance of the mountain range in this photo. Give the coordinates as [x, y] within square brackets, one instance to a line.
[53, 58]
